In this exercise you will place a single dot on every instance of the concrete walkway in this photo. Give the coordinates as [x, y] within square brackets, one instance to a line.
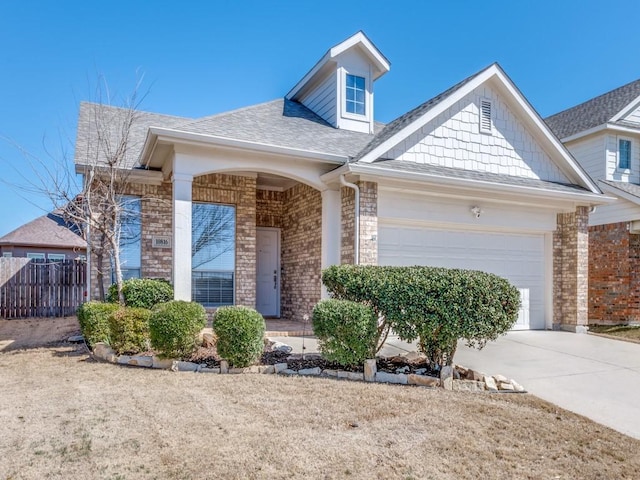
[589, 375]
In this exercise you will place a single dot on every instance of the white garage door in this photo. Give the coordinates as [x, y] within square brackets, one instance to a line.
[518, 258]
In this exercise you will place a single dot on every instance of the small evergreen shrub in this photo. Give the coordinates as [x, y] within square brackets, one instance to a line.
[129, 330]
[94, 321]
[174, 327]
[346, 331]
[142, 292]
[436, 306]
[240, 332]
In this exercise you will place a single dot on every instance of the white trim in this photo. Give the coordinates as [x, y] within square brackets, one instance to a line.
[35, 255]
[485, 101]
[623, 171]
[630, 107]
[548, 280]
[155, 134]
[605, 126]
[56, 256]
[620, 193]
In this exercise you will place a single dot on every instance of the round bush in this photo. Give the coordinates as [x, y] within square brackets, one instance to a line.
[129, 330]
[94, 321]
[174, 327]
[240, 332]
[346, 331]
[142, 292]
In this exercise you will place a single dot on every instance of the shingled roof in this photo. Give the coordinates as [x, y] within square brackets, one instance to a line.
[594, 112]
[108, 119]
[50, 230]
[284, 123]
[408, 118]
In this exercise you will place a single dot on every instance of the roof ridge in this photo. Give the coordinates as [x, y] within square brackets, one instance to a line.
[227, 112]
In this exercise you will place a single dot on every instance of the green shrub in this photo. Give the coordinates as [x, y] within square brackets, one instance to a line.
[240, 332]
[174, 327]
[142, 292]
[129, 330]
[436, 306]
[94, 321]
[346, 331]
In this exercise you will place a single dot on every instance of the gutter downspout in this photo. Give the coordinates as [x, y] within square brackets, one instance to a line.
[356, 221]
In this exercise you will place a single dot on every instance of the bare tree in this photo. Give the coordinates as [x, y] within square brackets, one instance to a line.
[96, 202]
[213, 233]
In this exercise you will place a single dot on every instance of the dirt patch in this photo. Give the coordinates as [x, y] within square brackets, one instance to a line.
[35, 332]
[64, 416]
[629, 333]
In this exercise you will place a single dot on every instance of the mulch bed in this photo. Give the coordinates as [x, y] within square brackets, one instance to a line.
[398, 364]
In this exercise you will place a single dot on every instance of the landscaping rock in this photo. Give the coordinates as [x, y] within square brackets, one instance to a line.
[288, 371]
[207, 340]
[141, 361]
[180, 366]
[490, 384]
[123, 359]
[280, 367]
[404, 369]
[500, 378]
[506, 386]
[351, 375]
[76, 339]
[446, 377]
[104, 352]
[268, 369]
[462, 371]
[475, 375]
[281, 347]
[423, 380]
[421, 371]
[468, 386]
[370, 369]
[330, 373]
[415, 358]
[384, 377]
[517, 387]
[310, 371]
[161, 363]
[224, 366]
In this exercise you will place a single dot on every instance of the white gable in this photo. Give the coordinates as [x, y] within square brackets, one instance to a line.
[633, 116]
[453, 139]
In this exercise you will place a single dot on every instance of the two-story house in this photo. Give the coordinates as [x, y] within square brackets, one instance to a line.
[247, 207]
[603, 134]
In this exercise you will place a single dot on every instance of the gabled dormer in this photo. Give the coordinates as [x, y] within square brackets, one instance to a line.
[339, 88]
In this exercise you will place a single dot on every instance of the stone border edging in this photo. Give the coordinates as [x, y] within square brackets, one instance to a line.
[479, 382]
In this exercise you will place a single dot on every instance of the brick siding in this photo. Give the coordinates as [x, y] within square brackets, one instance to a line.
[368, 224]
[614, 282]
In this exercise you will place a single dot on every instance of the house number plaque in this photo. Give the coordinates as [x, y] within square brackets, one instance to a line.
[161, 242]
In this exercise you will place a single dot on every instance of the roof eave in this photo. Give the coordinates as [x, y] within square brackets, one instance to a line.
[585, 198]
[619, 192]
[605, 126]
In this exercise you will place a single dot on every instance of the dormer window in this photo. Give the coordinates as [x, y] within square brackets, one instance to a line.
[624, 154]
[355, 95]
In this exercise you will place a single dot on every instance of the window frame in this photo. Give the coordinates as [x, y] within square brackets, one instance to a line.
[618, 158]
[136, 271]
[36, 256]
[56, 257]
[367, 104]
[215, 272]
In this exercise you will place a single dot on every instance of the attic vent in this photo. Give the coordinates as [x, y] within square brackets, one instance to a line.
[485, 115]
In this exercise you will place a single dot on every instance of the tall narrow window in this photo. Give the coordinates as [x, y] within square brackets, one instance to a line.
[485, 115]
[130, 236]
[355, 95]
[213, 254]
[624, 154]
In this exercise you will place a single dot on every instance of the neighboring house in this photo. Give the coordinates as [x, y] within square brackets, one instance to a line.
[48, 237]
[603, 134]
[248, 206]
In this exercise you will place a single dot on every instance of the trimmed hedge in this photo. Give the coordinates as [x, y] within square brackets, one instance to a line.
[346, 331]
[142, 292]
[436, 306]
[129, 329]
[174, 327]
[240, 332]
[94, 321]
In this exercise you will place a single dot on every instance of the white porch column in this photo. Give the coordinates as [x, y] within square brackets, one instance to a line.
[331, 221]
[182, 236]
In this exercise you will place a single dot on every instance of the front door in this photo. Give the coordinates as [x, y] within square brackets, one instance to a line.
[268, 272]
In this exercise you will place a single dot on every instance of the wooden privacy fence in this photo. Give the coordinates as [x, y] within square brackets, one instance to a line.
[40, 288]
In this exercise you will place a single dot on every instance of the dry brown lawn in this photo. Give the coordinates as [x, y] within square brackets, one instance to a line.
[63, 415]
[621, 332]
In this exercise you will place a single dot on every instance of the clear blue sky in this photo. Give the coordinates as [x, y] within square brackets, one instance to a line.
[205, 57]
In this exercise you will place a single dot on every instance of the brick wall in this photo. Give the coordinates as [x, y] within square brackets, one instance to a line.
[241, 192]
[301, 251]
[368, 224]
[571, 270]
[156, 220]
[614, 279]
[269, 208]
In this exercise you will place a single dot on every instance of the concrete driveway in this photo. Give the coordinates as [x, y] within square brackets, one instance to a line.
[593, 376]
